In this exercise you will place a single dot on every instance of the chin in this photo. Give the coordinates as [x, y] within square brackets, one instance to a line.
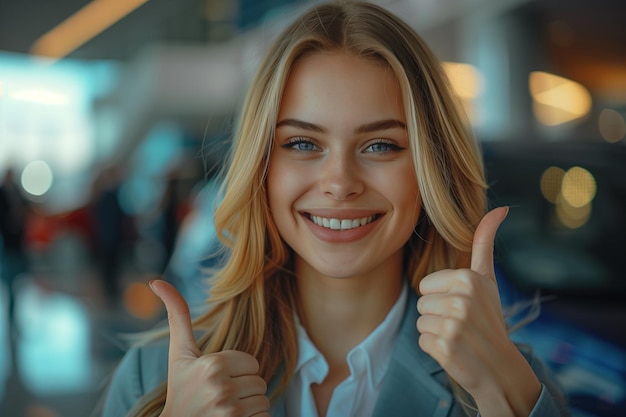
[338, 272]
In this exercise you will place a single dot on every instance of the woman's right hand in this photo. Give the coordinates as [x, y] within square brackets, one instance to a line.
[217, 384]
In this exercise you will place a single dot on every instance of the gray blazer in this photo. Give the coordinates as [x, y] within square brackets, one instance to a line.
[415, 385]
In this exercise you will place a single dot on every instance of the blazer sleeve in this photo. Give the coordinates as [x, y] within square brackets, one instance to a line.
[126, 386]
[551, 402]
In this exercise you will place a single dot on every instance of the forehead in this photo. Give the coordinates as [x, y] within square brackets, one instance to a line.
[341, 82]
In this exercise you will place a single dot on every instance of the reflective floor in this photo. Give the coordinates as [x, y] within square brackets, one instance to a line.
[66, 338]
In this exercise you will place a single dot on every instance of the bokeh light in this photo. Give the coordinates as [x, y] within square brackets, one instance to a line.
[557, 100]
[611, 125]
[578, 187]
[467, 83]
[466, 80]
[572, 217]
[140, 301]
[551, 181]
[571, 192]
[37, 178]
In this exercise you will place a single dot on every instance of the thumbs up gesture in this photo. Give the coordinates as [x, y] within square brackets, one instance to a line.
[217, 384]
[462, 327]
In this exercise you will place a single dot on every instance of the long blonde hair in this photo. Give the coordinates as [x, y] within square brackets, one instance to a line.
[252, 299]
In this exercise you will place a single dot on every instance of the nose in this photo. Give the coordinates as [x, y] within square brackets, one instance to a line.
[340, 178]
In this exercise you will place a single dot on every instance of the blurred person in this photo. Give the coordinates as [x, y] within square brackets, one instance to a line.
[175, 206]
[360, 278]
[13, 217]
[195, 246]
[110, 230]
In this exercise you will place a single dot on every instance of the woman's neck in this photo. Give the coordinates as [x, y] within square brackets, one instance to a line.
[339, 313]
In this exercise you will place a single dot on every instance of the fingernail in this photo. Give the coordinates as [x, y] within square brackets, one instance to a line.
[150, 283]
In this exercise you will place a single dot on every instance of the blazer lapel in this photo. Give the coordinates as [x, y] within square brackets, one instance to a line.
[410, 387]
[277, 408]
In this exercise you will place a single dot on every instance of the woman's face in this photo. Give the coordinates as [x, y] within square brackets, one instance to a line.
[341, 184]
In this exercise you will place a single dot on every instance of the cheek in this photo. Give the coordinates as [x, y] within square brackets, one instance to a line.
[283, 186]
[401, 189]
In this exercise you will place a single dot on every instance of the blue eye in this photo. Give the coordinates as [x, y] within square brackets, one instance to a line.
[301, 144]
[382, 146]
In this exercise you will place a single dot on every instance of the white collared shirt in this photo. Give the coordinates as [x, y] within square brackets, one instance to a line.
[368, 361]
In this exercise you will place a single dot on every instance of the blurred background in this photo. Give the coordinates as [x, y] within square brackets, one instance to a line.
[115, 116]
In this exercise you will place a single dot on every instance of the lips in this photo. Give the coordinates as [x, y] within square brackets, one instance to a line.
[342, 224]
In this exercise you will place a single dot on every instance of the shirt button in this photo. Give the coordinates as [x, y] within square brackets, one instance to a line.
[443, 404]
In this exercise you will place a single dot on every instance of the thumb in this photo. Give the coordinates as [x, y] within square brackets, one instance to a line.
[182, 341]
[484, 237]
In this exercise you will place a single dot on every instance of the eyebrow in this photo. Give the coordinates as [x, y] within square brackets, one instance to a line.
[364, 128]
[380, 125]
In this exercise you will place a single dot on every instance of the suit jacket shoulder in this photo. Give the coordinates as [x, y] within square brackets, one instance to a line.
[142, 369]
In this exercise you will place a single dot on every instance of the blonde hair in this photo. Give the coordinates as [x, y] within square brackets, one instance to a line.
[252, 300]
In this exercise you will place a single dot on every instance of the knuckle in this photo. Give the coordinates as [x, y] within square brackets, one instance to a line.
[420, 323]
[447, 349]
[461, 307]
[468, 282]
[235, 410]
[260, 403]
[262, 385]
[425, 341]
[450, 328]
[227, 410]
[420, 304]
[465, 277]
[221, 395]
[442, 347]
[215, 365]
[264, 403]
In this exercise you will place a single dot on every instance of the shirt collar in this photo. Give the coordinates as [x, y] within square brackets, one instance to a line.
[310, 359]
[370, 356]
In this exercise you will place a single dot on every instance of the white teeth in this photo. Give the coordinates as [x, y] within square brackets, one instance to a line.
[341, 224]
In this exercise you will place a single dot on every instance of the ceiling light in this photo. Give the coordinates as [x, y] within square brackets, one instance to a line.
[83, 25]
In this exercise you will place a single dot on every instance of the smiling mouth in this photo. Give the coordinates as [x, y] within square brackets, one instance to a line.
[342, 224]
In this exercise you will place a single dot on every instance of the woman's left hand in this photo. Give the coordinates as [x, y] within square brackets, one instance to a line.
[462, 327]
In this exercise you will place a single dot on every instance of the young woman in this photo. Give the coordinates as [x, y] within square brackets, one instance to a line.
[359, 279]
